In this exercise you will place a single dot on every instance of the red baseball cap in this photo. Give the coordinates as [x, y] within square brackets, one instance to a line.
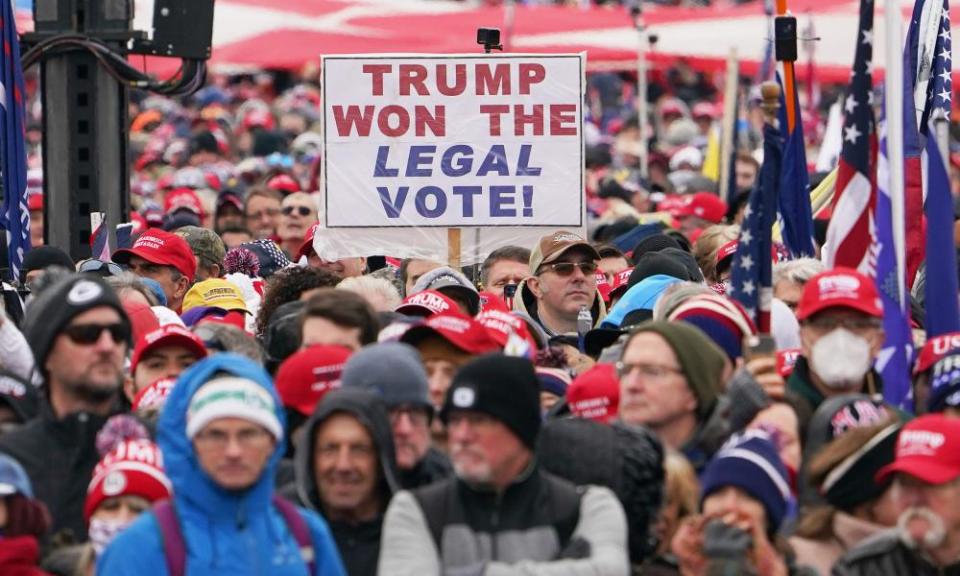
[704, 205]
[283, 183]
[35, 202]
[935, 349]
[595, 394]
[305, 377]
[464, 333]
[727, 250]
[602, 285]
[501, 325]
[427, 303]
[704, 110]
[142, 319]
[839, 288]
[153, 396]
[621, 282]
[490, 301]
[161, 247]
[169, 335]
[928, 449]
[182, 199]
[307, 246]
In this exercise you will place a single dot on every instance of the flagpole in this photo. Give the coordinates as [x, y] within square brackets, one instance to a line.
[728, 148]
[893, 94]
[642, 108]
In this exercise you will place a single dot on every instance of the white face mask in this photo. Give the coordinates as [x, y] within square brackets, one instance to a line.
[102, 532]
[841, 358]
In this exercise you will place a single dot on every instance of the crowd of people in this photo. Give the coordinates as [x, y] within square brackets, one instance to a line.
[217, 398]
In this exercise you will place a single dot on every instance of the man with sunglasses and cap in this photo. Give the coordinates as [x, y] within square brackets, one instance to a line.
[80, 335]
[562, 282]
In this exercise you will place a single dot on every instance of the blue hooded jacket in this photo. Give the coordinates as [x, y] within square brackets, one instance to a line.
[234, 533]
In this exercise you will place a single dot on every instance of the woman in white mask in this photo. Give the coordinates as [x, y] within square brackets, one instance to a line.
[841, 332]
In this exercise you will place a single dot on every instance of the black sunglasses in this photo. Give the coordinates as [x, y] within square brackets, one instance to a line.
[100, 268]
[567, 268]
[301, 210]
[90, 333]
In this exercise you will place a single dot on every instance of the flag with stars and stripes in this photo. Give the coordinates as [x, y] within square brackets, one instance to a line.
[15, 216]
[851, 230]
[893, 360]
[751, 283]
[932, 98]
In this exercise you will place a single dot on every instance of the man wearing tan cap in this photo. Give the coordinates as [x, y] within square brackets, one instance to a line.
[562, 281]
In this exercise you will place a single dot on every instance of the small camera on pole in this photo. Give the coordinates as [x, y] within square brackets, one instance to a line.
[489, 38]
[785, 38]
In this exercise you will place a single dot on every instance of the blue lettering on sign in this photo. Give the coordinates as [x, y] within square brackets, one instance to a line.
[464, 164]
[420, 155]
[467, 193]
[380, 170]
[496, 162]
[441, 202]
[523, 162]
[502, 201]
[393, 207]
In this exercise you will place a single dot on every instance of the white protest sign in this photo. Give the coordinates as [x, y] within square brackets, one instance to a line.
[453, 141]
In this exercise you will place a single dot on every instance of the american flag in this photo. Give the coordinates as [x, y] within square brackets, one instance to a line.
[15, 216]
[752, 264]
[851, 231]
[933, 68]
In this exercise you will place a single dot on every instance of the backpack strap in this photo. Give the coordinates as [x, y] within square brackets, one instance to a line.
[565, 506]
[298, 527]
[174, 548]
[434, 501]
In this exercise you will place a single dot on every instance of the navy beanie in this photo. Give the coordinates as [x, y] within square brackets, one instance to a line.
[749, 461]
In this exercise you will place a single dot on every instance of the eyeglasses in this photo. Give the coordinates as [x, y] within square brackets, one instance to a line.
[829, 324]
[301, 210]
[417, 416]
[90, 333]
[566, 268]
[651, 371]
[100, 268]
[218, 439]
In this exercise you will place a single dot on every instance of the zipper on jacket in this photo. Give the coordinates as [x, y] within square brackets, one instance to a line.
[495, 525]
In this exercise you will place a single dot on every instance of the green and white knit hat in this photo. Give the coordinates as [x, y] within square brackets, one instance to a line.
[232, 397]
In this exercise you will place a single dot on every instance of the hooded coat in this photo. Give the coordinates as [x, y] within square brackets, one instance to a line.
[526, 303]
[359, 543]
[226, 532]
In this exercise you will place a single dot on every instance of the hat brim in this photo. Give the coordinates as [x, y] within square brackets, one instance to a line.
[472, 297]
[123, 255]
[925, 469]
[596, 340]
[7, 489]
[582, 245]
[821, 305]
[414, 310]
[174, 339]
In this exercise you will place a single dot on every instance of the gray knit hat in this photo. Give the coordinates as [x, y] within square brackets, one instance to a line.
[451, 283]
[391, 370]
[58, 304]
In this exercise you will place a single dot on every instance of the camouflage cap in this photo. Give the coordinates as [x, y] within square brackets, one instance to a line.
[205, 244]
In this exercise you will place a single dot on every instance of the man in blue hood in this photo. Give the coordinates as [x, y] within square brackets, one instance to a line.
[221, 435]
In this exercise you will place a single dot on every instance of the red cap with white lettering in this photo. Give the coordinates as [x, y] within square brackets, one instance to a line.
[928, 449]
[427, 303]
[839, 288]
[595, 394]
[132, 468]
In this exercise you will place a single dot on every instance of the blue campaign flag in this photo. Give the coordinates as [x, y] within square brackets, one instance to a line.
[751, 283]
[15, 216]
[893, 361]
[795, 210]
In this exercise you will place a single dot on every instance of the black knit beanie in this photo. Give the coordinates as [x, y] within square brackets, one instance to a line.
[504, 387]
[58, 304]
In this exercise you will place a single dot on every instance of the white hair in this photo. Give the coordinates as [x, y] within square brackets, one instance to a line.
[797, 271]
[379, 292]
